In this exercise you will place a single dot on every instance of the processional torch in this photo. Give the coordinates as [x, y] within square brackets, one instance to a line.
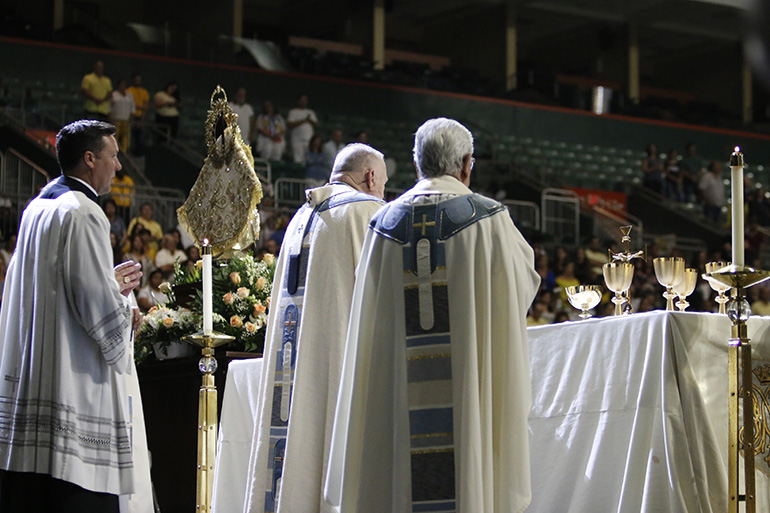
[221, 217]
[739, 277]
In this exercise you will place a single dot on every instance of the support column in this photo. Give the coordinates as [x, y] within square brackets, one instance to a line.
[633, 63]
[748, 93]
[511, 54]
[58, 14]
[237, 22]
[378, 34]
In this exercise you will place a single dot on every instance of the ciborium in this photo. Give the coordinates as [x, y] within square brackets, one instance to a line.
[685, 287]
[618, 277]
[718, 286]
[669, 271]
[584, 298]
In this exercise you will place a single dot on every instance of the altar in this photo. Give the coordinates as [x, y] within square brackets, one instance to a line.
[629, 415]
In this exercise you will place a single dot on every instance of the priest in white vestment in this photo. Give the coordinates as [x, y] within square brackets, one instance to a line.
[435, 387]
[65, 334]
[309, 311]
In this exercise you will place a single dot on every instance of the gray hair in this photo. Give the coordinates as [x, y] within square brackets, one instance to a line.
[439, 147]
[355, 157]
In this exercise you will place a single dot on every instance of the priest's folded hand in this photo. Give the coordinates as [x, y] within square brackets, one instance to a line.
[128, 275]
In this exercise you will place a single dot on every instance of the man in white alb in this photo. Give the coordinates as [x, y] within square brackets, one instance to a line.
[65, 346]
[435, 389]
[309, 311]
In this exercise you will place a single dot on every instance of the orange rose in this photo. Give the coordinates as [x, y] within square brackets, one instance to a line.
[236, 321]
[168, 322]
[261, 282]
[235, 277]
[152, 310]
[259, 308]
[242, 292]
[251, 327]
[269, 258]
[228, 298]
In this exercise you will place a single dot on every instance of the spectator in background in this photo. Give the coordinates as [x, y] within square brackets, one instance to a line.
[152, 227]
[7, 251]
[673, 176]
[332, 147]
[536, 311]
[712, 192]
[167, 106]
[137, 252]
[142, 103]
[246, 119]
[596, 257]
[315, 161]
[96, 88]
[168, 254]
[567, 279]
[150, 295]
[117, 252]
[361, 137]
[271, 133]
[193, 255]
[691, 166]
[123, 107]
[117, 224]
[303, 123]
[122, 191]
[652, 169]
[762, 305]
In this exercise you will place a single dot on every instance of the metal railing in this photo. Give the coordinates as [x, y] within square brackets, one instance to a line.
[20, 180]
[290, 192]
[561, 215]
[525, 214]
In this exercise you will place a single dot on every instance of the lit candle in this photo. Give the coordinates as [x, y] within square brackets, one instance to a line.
[208, 316]
[736, 182]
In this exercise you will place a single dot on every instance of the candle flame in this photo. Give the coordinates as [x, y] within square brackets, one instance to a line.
[205, 242]
[737, 149]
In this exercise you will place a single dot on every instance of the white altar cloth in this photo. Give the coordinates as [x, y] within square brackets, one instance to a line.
[236, 428]
[629, 414]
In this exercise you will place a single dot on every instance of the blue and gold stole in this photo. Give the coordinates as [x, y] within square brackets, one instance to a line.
[422, 230]
[292, 298]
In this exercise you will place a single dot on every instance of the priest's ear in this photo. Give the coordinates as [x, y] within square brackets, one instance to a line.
[465, 172]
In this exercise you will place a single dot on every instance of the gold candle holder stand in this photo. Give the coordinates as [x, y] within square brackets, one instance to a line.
[740, 385]
[207, 415]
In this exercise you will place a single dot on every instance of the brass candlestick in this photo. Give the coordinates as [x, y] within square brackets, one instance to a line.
[207, 415]
[740, 385]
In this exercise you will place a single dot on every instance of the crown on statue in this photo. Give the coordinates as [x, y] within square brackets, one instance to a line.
[763, 374]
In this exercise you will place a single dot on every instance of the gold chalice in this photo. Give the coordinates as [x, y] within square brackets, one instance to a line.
[618, 276]
[716, 285]
[669, 271]
[584, 298]
[685, 288]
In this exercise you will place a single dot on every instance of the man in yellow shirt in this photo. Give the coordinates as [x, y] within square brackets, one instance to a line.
[97, 89]
[122, 191]
[151, 225]
[142, 101]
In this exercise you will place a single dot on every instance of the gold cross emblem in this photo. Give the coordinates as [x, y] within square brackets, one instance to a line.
[424, 223]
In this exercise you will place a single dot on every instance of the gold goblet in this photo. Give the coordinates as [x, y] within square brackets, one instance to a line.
[669, 271]
[584, 298]
[716, 285]
[618, 276]
[685, 288]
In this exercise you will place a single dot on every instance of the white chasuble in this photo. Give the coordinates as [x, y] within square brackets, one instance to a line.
[435, 387]
[310, 307]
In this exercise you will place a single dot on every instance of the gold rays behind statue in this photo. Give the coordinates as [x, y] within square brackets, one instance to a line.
[222, 205]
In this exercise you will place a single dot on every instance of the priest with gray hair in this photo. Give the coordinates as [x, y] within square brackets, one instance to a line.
[304, 345]
[435, 389]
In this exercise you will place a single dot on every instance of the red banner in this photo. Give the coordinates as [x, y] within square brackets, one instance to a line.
[608, 200]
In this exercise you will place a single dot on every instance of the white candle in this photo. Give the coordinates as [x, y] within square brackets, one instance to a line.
[208, 316]
[736, 183]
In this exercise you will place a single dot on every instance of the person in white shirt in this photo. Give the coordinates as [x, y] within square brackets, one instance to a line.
[246, 119]
[303, 123]
[165, 258]
[123, 107]
[332, 147]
